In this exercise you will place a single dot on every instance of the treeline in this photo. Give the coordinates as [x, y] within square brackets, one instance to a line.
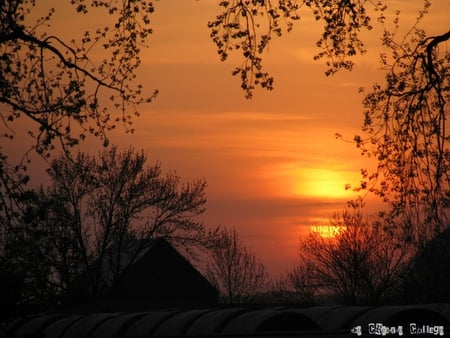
[368, 263]
[105, 210]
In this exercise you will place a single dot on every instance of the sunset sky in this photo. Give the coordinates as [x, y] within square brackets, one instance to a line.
[273, 164]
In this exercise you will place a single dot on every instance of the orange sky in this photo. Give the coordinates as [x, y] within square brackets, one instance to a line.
[272, 164]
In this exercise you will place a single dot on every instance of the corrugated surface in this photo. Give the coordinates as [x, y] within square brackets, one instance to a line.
[34, 325]
[268, 320]
[213, 322]
[59, 327]
[146, 324]
[116, 326]
[234, 322]
[86, 326]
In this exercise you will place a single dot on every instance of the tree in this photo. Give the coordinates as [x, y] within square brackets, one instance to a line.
[428, 280]
[67, 93]
[234, 269]
[24, 262]
[361, 264]
[60, 86]
[103, 212]
[249, 25]
[405, 129]
[297, 285]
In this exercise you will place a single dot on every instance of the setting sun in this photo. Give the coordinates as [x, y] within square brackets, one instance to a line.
[324, 183]
[327, 231]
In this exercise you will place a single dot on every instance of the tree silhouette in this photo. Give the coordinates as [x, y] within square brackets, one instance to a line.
[361, 264]
[101, 212]
[234, 269]
[247, 26]
[61, 86]
[405, 129]
[67, 93]
[428, 280]
[298, 284]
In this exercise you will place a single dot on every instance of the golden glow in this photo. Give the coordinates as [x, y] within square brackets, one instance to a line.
[327, 231]
[324, 183]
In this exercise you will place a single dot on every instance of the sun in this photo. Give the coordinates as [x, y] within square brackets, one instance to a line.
[323, 183]
[327, 231]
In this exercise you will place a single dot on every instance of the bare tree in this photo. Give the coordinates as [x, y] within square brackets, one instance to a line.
[234, 269]
[294, 286]
[361, 264]
[99, 213]
[302, 281]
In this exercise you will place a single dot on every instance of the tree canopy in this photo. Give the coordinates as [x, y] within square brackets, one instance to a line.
[60, 86]
[247, 26]
[405, 129]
